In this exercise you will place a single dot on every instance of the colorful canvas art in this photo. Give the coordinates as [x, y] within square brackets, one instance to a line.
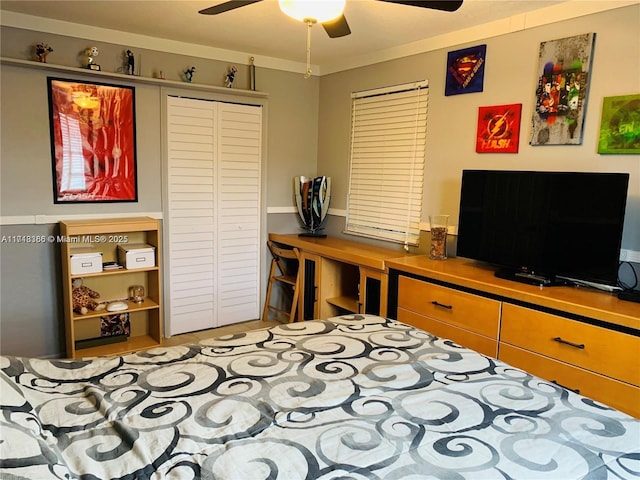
[561, 92]
[498, 129]
[465, 70]
[620, 125]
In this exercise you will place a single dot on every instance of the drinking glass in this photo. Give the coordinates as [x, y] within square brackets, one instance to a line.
[438, 249]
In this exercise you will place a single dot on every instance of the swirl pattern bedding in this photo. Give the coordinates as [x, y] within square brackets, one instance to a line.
[359, 397]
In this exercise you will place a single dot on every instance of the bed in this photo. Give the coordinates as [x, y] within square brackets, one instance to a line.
[358, 397]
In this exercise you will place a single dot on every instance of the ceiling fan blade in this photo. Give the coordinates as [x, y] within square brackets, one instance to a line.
[337, 28]
[446, 5]
[226, 6]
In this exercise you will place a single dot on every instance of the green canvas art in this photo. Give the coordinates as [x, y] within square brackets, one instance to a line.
[620, 125]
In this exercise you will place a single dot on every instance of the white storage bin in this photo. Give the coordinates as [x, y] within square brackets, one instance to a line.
[85, 260]
[139, 255]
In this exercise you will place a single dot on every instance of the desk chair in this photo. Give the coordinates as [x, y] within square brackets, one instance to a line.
[287, 262]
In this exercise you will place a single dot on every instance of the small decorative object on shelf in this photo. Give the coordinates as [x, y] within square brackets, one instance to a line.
[312, 199]
[136, 293]
[438, 249]
[92, 53]
[131, 62]
[117, 324]
[83, 298]
[42, 50]
[188, 74]
[231, 76]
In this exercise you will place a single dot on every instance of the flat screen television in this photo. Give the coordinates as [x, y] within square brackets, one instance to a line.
[544, 227]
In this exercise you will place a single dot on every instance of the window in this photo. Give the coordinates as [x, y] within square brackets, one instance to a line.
[388, 130]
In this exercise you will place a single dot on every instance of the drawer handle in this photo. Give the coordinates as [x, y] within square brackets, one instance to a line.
[576, 390]
[438, 304]
[571, 344]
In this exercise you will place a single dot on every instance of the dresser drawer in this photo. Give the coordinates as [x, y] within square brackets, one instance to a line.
[464, 310]
[613, 393]
[479, 343]
[598, 349]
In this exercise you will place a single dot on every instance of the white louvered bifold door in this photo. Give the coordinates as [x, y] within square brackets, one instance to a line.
[239, 140]
[214, 157]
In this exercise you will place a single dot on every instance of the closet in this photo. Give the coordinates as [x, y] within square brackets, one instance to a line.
[212, 223]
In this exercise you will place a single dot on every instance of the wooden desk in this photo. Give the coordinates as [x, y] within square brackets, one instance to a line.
[340, 275]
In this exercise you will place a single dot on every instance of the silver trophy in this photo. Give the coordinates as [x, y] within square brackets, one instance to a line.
[312, 199]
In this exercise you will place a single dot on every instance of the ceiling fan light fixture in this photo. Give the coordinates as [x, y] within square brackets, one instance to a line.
[314, 11]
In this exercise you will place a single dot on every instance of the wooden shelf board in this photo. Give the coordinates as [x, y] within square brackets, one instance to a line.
[107, 226]
[131, 78]
[132, 344]
[113, 272]
[148, 304]
[349, 304]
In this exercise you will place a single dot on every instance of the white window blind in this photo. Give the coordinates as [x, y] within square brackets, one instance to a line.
[388, 131]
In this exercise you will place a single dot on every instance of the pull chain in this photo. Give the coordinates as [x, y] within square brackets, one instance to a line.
[309, 22]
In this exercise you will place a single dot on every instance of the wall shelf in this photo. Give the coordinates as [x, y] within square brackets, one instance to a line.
[130, 78]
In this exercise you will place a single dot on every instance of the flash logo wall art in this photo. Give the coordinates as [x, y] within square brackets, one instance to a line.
[465, 70]
[561, 91]
[498, 129]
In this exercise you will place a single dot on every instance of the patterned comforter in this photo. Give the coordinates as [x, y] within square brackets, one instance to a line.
[358, 397]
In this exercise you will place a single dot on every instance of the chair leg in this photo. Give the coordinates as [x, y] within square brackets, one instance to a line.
[267, 300]
[294, 304]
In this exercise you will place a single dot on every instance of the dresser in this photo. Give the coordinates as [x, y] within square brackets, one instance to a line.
[580, 338]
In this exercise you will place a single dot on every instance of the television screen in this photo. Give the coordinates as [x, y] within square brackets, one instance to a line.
[544, 227]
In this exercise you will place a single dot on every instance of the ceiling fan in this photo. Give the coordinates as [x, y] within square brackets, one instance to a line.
[335, 23]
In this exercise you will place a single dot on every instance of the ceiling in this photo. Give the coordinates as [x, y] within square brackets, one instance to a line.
[261, 29]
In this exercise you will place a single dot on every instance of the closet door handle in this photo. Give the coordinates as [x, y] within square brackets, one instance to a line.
[571, 344]
[574, 390]
[438, 304]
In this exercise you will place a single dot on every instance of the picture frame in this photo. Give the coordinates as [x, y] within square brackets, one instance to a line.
[465, 70]
[564, 73]
[499, 128]
[93, 141]
[620, 125]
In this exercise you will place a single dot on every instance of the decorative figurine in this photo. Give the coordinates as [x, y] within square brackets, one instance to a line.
[42, 50]
[92, 53]
[231, 76]
[188, 74]
[130, 62]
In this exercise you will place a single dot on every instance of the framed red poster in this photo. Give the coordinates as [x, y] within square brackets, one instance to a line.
[93, 142]
[498, 129]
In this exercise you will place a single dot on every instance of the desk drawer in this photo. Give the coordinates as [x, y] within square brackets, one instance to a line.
[464, 310]
[611, 392]
[479, 343]
[598, 349]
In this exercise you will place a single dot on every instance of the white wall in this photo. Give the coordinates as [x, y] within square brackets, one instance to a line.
[510, 77]
[31, 318]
